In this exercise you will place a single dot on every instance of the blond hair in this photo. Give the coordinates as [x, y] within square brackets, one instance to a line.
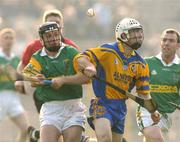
[53, 12]
[7, 30]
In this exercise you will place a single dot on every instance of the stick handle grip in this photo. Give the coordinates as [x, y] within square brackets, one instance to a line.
[47, 82]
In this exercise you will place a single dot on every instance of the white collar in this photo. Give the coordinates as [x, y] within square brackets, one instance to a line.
[175, 60]
[5, 56]
[43, 52]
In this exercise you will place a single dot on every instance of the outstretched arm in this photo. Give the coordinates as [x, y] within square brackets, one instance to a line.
[86, 67]
[78, 78]
[85, 70]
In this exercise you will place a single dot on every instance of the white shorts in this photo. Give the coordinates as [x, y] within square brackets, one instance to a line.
[10, 104]
[63, 114]
[143, 118]
[175, 129]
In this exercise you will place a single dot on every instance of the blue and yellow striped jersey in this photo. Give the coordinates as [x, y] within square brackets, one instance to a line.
[112, 65]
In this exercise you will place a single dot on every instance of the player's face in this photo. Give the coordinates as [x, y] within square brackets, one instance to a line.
[52, 40]
[136, 38]
[7, 40]
[169, 44]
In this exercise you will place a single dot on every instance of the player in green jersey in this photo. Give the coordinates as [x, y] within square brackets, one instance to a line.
[62, 112]
[48, 16]
[164, 86]
[10, 104]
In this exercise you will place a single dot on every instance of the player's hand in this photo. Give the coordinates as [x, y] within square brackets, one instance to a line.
[155, 116]
[86, 67]
[90, 71]
[37, 80]
[57, 82]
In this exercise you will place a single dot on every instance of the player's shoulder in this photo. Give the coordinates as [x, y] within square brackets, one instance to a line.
[109, 46]
[105, 47]
[69, 50]
[38, 53]
[153, 60]
[68, 47]
[150, 58]
[99, 50]
[139, 58]
[67, 41]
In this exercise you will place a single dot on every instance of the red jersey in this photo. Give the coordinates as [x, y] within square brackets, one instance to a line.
[36, 45]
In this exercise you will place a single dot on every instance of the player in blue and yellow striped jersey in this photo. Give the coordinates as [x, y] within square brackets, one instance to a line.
[120, 64]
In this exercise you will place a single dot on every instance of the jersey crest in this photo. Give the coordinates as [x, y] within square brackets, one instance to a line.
[153, 72]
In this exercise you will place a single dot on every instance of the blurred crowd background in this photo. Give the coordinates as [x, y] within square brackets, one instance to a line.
[26, 15]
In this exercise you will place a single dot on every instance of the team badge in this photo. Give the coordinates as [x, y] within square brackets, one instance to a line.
[153, 72]
[133, 68]
[116, 61]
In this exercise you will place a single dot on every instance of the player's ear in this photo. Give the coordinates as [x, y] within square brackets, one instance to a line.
[123, 36]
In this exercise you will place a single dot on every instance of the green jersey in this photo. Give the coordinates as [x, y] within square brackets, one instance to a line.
[5, 82]
[164, 83]
[62, 64]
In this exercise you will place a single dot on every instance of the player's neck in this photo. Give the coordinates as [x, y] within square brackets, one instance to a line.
[51, 54]
[168, 59]
[7, 52]
[127, 50]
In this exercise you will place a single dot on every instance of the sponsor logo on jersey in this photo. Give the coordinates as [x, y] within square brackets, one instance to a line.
[163, 89]
[133, 68]
[165, 69]
[122, 77]
[153, 72]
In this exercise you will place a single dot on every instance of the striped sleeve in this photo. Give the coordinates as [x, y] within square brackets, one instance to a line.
[90, 54]
[33, 68]
[142, 83]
